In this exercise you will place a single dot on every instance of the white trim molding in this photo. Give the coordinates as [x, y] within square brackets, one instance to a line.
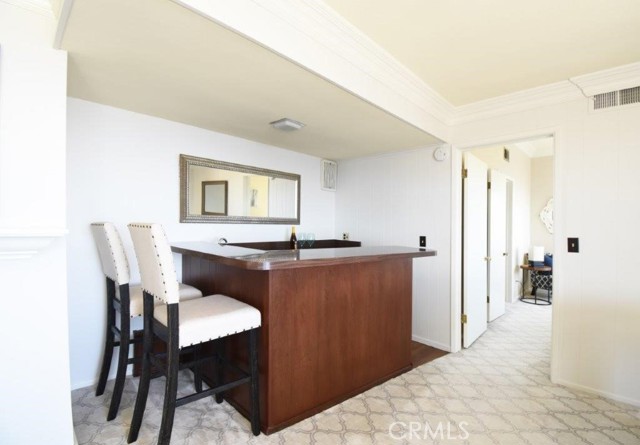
[22, 243]
[523, 100]
[626, 76]
[614, 79]
[314, 36]
[63, 19]
[433, 344]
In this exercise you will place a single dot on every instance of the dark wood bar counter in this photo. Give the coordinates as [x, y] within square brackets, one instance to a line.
[335, 321]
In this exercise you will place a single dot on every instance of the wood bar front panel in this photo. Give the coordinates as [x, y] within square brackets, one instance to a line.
[328, 332]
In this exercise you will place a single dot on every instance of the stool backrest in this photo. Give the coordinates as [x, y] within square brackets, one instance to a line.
[155, 260]
[112, 255]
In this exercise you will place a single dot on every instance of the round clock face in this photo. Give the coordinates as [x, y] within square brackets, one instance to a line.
[440, 154]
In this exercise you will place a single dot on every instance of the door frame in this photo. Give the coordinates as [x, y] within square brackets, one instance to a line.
[456, 223]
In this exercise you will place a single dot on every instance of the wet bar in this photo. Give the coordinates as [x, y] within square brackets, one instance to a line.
[335, 321]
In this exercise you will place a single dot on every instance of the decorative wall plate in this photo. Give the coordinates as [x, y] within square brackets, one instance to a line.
[546, 215]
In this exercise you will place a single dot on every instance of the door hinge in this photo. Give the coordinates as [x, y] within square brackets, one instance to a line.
[464, 318]
[464, 172]
[489, 185]
[488, 299]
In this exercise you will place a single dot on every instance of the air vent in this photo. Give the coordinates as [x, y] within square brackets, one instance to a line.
[630, 96]
[616, 98]
[329, 178]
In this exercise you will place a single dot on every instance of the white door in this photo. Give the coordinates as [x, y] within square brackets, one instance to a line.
[474, 245]
[497, 245]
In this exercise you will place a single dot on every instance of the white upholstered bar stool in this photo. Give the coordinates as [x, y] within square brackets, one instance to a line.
[181, 324]
[126, 300]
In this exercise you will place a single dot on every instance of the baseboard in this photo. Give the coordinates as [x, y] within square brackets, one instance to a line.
[86, 383]
[433, 344]
[83, 384]
[609, 395]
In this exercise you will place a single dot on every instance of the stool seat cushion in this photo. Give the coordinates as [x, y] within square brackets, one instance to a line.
[211, 317]
[137, 302]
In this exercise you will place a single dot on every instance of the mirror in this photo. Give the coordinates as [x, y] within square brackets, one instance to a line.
[221, 192]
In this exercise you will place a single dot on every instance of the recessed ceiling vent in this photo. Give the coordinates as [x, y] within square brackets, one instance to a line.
[616, 98]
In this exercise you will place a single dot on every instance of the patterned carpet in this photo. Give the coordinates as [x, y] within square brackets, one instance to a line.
[496, 392]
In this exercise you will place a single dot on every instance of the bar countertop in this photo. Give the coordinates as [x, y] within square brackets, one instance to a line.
[255, 259]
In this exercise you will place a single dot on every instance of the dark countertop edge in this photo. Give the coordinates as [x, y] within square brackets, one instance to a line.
[284, 264]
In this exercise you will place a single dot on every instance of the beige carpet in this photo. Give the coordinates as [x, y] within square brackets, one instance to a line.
[496, 392]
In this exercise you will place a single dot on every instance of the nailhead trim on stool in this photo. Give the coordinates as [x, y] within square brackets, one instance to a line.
[181, 324]
[123, 298]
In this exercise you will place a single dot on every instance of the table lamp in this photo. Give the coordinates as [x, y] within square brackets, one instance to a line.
[536, 256]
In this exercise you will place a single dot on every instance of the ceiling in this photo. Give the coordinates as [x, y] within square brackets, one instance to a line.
[158, 58]
[473, 50]
[161, 59]
[536, 148]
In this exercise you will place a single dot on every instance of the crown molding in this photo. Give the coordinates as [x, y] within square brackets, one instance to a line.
[614, 79]
[377, 60]
[314, 36]
[43, 7]
[64, 12]
[575, 88]
[551, 94]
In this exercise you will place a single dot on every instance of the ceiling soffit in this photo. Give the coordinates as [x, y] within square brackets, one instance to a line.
[309, 32]
[161, 59]
[332, 46]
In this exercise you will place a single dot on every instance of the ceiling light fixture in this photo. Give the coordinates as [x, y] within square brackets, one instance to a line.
[286, 124]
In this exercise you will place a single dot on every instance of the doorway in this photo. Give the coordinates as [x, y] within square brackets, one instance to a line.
[503, 187]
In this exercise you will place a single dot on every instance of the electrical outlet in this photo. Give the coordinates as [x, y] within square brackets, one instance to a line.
[345, 235]
[423, 241]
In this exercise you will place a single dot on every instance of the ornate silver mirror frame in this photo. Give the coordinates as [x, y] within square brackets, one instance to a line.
[190, 212]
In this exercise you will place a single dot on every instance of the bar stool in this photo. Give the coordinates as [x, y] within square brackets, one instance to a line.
[124, 298]
[181, 324]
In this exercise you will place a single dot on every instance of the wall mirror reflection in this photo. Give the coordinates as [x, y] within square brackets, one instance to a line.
[221, 192]
[214, 197]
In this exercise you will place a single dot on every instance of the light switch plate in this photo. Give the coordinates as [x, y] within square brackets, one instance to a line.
[573, 245]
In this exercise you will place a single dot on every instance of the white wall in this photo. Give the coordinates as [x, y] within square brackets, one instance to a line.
[596, 304]
[518, 169]
[391, 200]
[34, 383]
[123, 167]
[541, 192]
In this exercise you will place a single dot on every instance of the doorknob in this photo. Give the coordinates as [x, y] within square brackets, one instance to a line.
[505, 253]
[487, 258]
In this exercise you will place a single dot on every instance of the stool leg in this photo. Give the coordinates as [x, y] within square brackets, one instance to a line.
[197, 370]
[123, 353]
[109, 340]
[145, 376]
[255, 377]
[173, 366]
[219, 351]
